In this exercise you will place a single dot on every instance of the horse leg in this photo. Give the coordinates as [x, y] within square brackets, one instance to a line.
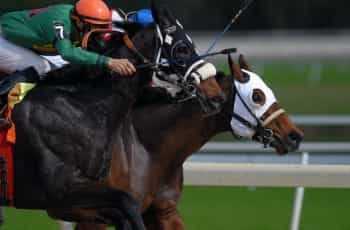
[72, 191]
[64, 187]
[163, 213]
[90, 226]
[163, 216]
[92, 219]
[111, 204]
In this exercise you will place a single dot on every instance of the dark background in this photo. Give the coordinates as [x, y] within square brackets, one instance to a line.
[215, 14]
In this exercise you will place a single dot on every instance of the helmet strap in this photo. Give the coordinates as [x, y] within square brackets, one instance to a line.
[79, 24]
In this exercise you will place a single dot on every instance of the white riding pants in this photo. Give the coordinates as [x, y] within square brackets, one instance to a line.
[14, 57]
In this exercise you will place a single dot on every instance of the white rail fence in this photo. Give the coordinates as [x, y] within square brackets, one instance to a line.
[268, 175]
[321, 120]
[271, 175]
[281, 46]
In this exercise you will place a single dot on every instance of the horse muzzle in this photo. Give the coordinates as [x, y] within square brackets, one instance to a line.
[212, 106]
[290, 144]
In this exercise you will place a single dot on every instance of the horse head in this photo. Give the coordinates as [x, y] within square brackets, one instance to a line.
[195, 76]
[256, 114]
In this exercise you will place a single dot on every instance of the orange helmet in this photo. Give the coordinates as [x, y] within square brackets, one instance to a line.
[94, 12]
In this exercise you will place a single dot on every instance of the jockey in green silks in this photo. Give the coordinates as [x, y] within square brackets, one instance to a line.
[54, 30]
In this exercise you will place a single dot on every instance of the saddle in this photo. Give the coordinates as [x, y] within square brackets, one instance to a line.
[7, 140]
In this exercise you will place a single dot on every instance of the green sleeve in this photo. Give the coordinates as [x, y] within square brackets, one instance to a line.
[77, 55]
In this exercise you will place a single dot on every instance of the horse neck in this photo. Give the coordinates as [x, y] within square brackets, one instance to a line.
[127, 88]
[174, 132]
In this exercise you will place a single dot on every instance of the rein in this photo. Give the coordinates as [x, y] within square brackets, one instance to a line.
[185, 83]
[243, 7]
[131, 46]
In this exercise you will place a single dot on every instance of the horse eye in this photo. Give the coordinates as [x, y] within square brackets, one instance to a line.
[258, 97]
[183, 52]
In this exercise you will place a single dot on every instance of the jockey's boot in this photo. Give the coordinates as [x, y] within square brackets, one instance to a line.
[4, 122]
[7, 84]
[29, 75]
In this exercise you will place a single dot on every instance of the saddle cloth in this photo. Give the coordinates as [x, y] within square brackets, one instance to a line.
[7, 140]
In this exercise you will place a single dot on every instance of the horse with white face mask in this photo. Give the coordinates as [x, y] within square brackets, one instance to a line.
[256, 113]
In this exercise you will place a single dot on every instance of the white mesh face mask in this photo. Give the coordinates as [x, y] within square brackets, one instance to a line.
[245, 92]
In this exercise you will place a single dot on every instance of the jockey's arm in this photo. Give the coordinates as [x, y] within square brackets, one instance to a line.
[77, 55]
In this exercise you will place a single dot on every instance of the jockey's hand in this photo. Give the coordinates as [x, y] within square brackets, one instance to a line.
[122, 66]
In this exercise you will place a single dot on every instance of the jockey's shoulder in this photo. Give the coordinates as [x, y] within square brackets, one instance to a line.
[56, 11]
[61, 6]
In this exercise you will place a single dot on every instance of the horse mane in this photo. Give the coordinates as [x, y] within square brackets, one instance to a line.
[160, 96]
[153, 96]
[221, 76]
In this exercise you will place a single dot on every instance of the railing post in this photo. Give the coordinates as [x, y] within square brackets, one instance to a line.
[1, 216]
[298, 198]
[65, 225]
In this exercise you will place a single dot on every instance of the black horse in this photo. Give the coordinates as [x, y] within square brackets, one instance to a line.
[67, 134]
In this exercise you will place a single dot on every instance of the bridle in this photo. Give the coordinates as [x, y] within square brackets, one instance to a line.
[162, 69]
[262, 133]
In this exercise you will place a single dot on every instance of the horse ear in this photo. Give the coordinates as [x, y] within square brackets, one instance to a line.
[243, 63]
[155, 11]
[235, 70]
[161, 14]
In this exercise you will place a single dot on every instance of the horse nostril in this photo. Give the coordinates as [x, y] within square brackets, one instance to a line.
[217, 103]
[219, 100]
[295, 136]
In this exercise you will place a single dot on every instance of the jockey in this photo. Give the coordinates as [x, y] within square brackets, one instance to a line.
[54, 30]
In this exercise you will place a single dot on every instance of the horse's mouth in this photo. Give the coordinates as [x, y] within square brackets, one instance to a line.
[283, 147]
[216, 105]
[213, 105]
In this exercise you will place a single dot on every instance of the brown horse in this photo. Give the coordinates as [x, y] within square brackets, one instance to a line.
[158, 138]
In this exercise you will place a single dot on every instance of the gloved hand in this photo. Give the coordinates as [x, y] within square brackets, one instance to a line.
[122, 66]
